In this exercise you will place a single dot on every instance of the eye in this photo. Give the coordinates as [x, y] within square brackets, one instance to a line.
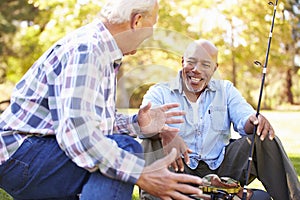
[205, 65]
[192, 63]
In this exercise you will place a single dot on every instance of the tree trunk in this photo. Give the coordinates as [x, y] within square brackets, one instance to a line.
[287, 95]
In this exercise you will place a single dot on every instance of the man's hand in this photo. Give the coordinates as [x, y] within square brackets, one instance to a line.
[264, 127]
[154, 120]
[172, 140]
[157, 180]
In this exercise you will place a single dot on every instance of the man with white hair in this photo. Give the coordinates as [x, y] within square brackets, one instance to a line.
[61, 137]
[204, 141]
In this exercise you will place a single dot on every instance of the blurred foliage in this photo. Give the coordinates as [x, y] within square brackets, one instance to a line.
[4, 195]
[11, 14]
[240, 30]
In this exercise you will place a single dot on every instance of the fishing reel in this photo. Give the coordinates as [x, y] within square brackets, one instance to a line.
[216, 195]
[221, 195]
[216, 188]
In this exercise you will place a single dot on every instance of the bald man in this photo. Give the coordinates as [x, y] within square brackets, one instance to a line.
[204, 142]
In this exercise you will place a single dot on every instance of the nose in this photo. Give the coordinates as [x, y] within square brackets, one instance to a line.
[196, 68]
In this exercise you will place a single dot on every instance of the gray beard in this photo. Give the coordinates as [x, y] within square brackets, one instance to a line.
[191, 89]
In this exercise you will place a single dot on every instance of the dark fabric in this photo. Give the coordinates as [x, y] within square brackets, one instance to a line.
[271, 166]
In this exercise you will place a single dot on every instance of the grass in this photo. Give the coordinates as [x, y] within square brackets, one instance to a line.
[4, 195]
[287, 129]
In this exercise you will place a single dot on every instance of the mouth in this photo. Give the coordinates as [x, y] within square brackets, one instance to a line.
[195, 80]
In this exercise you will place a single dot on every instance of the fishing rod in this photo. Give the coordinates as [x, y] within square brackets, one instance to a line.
[264, 72]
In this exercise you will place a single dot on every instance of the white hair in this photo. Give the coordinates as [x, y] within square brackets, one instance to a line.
[119, 11]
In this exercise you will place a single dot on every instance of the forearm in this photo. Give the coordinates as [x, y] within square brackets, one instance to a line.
[97, 151]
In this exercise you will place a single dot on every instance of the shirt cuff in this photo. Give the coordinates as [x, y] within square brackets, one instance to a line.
[133, 126]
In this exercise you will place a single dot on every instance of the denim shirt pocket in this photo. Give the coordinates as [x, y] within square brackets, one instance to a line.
[219, 118]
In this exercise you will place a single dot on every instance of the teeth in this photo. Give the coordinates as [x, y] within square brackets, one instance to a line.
[195, 79]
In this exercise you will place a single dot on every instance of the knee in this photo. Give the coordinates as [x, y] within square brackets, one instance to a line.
[129, 144]
[134, 146]
[260, 195]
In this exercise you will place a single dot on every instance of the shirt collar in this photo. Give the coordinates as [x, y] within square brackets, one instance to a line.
[115, 52]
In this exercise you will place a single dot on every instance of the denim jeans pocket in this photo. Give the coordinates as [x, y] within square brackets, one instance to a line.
[14, 175]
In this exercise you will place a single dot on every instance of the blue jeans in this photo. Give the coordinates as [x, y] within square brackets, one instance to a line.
[39, 169]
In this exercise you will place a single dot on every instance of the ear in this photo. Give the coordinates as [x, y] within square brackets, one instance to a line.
[182, 60]
[135, 20]
[216, 67]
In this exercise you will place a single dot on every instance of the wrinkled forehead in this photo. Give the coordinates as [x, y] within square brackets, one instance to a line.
[202, 51]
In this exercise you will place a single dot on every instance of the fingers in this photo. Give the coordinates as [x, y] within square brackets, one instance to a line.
[202, 197]
[153, 119]
[170, 117]
[174, 121]
[167, 128]
[171, 114]
[186, 178]
[180, 164]
[271, 133]
[157, 180]
[146, 108]
[267, 132]
[169, 106]
[187, 157]
[190, 196]
[174, 166]
[170, 157]
[183, 187]
[175, 113]
[253, 119]
[173, 140]
[264, 127]
[184, 191]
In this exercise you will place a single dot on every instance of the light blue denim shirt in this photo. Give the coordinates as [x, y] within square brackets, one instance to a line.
[219, 106]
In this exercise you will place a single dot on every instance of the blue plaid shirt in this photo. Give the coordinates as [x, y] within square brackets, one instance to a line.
[70, 92]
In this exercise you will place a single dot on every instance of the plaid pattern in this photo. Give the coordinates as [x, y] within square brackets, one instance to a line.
[70, 92]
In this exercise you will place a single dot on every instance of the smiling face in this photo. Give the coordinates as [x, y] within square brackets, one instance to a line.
[199, 64]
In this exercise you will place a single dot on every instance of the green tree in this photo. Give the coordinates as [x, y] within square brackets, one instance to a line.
[239, 28]
[12, 13]
[34, 32]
